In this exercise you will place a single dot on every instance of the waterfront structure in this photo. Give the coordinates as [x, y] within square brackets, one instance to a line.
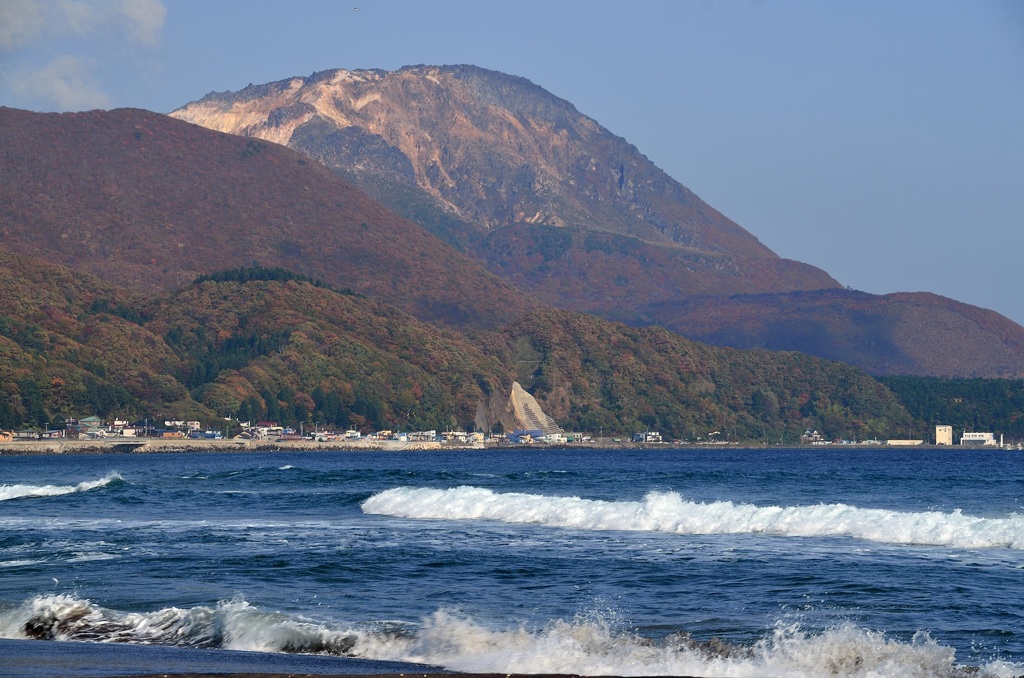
[978, 438]
[943, 435]
[647, 437]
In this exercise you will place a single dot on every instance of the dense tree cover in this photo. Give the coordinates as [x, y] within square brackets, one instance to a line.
[995, 405]
[43, 381]
[276, 273]
[122, 310]
[262, 344]
[294, 353]
[208, 358]
[594, 375]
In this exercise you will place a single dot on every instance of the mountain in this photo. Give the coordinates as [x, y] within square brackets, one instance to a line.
[558, 206]
[505, 161]
[149, 203]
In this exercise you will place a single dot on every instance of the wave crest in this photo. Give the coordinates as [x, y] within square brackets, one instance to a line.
[232, 625]
[8, 492]
[669, 512]
[456, 642]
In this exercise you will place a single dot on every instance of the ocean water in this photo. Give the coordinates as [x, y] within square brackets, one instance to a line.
[706, 562]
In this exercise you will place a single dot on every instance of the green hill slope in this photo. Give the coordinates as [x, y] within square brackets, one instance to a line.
[258, 343]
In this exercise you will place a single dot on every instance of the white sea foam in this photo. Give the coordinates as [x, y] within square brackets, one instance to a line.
[589, 648]
[456, 642]
[20, 563]
[19, 491]
[669, 512]
[92, 557]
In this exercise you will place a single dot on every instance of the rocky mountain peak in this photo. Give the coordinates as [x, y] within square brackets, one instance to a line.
[490, 148]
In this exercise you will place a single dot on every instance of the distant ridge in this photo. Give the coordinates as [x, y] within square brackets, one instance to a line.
[905, 333]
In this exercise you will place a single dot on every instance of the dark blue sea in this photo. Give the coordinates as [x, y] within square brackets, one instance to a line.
[705, 562]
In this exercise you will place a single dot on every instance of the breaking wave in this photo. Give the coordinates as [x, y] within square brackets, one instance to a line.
[460, 643]
[669, 512]
[19, 491]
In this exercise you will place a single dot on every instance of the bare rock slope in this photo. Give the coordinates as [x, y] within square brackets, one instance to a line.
[484, 153]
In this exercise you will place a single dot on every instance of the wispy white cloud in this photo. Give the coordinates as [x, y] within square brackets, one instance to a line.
[69, 82]
[20, 22]
[145, 18]
[59, 52]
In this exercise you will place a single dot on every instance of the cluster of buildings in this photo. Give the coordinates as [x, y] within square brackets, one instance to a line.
[270, 431]
[273, 432]
[90, 428]
[95, 428]
[943, 437]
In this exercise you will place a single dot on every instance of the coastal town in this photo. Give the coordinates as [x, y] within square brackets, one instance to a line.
[94, 433]
[262, 433]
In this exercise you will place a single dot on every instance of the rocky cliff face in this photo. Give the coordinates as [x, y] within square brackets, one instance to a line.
[493, 149]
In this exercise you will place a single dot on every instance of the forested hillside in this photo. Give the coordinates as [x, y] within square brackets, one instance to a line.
[600, 375]
[264, 342]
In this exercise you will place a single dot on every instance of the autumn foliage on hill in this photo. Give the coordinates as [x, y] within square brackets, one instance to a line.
[72, 346]
[257, 343]
[602, 375]
[207, 277]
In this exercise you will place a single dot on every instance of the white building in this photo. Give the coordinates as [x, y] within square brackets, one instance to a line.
[979, 438]
[943, 435]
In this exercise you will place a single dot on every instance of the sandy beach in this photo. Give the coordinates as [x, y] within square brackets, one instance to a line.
[49, 659]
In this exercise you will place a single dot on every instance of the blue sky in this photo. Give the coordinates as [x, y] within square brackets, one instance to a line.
[881, 141]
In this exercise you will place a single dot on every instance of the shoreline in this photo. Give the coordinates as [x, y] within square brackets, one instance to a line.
[27, 658]
[375, 675]
[160, 446]
[58, 446]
